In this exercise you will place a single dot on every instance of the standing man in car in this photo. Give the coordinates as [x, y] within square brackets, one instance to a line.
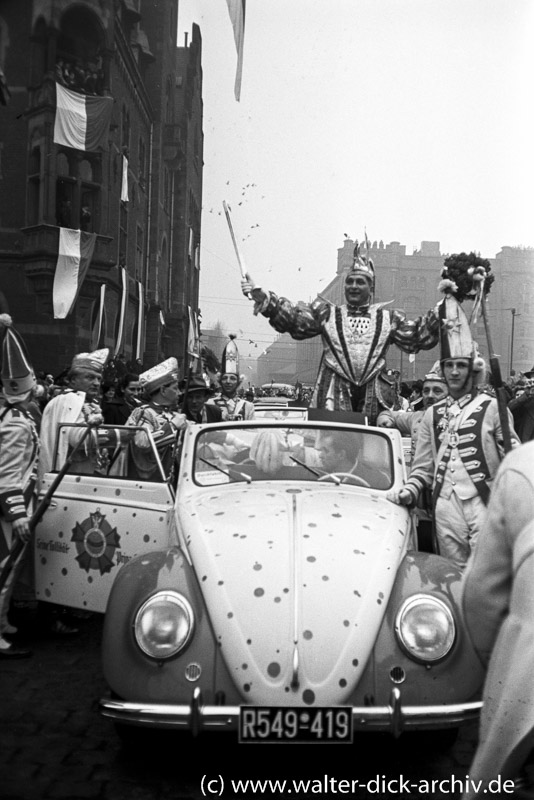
[356, 338]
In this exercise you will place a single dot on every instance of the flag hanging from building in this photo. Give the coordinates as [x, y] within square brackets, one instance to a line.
[74, 256]
[124, 187]
[82, 121]
[139, 346]
[100, 320]
[193, 336]
[122, 318]
[236, 9]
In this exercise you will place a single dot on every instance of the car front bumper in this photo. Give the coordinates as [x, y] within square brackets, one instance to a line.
[197, 717]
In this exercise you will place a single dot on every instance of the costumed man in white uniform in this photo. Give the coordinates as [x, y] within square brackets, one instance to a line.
[497, 602]
[232, 406]
[356, 338]
[19, 450]
[160, 416]
[460, 443]
[78, 404]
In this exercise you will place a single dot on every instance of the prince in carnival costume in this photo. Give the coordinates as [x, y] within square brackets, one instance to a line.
[356, 338]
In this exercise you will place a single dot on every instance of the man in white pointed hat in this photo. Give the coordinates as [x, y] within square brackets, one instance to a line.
[232, 406]
[80, 404]
[19, 450]
[356, 337]
[159, 415]
[460, 443]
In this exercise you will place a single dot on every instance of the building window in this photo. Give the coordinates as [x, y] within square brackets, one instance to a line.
[34, 186]
[125, 131]
[78, 191]
[142, 163]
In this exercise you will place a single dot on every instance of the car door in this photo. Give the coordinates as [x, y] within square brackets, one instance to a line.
[95, 524]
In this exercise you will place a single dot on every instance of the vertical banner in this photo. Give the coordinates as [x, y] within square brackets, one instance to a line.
[122, 318]
[139, 346]
[190, 246]
[74, 257]
[193, 337]
[100, 316]
[124, 187]
[236, 9]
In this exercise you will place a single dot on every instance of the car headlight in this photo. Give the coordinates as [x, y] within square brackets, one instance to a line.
[164, 624]
[425, 628]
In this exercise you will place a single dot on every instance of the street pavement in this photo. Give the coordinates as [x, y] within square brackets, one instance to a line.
[54, 744]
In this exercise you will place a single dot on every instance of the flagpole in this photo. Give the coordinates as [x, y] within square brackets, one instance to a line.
[500, 391]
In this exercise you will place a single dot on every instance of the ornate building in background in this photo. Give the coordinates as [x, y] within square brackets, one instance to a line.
[410, 283]
[139, 191]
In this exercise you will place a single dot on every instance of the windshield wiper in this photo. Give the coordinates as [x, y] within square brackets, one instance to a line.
[306, 466]
[228, 474]
[317, 473]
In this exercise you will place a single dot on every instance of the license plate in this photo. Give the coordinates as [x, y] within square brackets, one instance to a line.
[293, 724]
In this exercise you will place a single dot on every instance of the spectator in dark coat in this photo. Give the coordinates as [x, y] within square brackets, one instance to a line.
[117, 410]
[522, 408]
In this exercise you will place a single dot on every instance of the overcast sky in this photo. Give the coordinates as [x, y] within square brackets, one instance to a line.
[411, 119]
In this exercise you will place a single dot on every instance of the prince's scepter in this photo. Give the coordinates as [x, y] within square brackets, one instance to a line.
[240, 260]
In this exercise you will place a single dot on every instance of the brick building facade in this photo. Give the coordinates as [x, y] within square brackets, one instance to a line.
[148, 244]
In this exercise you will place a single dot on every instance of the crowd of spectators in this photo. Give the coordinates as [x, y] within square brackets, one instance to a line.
[84, 78]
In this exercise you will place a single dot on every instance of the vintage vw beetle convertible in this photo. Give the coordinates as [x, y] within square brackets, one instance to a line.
[289, 601]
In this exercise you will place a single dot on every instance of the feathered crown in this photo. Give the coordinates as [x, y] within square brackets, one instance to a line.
[362, 264]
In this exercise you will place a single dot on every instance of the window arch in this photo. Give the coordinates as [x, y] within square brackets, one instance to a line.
[80, 46]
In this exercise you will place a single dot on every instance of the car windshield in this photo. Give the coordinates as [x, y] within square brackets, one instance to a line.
[347, 456]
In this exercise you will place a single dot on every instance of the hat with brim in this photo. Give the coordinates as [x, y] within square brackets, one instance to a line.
[91, 362]
[161, 375]
[196, 384]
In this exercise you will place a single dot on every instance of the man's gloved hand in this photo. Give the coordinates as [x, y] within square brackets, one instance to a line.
[179, 421]
[250, 290]
[21, 527]
[402, 498]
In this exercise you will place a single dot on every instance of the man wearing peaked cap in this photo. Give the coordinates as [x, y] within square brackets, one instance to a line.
[160, 416]
[408, 422]
[80, 404]
[232, 406]
[356, 337]
[460, 443]
[19, 450]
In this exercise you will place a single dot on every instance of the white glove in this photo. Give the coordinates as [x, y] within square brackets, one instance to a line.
[250, 290]
[179, 421]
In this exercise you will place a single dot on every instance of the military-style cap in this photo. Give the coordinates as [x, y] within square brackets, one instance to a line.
[455, 334]
[160, 375]
[93, 362]
[18, 376]
[435, 373]
[230, 358]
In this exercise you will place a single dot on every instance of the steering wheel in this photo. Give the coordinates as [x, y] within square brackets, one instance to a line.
[352, 478]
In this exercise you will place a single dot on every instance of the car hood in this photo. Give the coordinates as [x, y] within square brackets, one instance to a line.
[296, 582]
